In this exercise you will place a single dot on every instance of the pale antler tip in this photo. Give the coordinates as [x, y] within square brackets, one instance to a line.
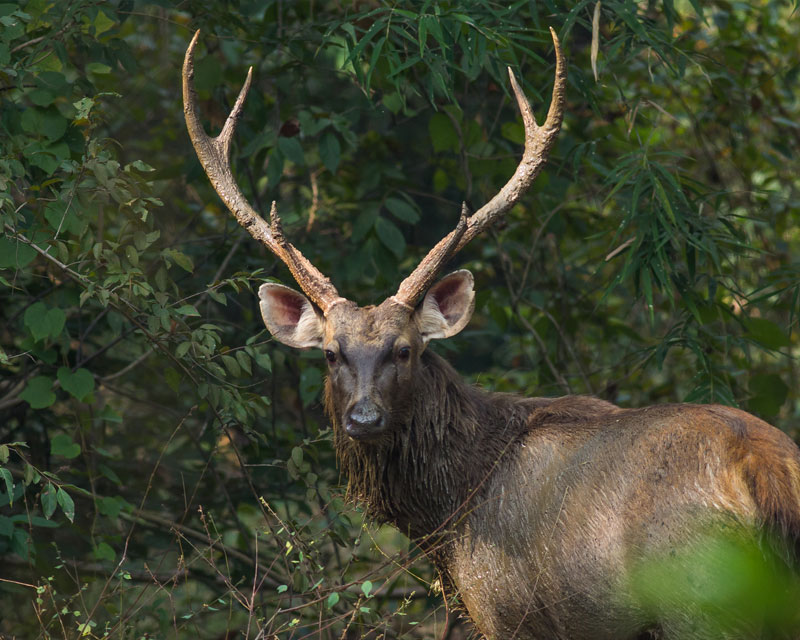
[192, 45]
[512, 78]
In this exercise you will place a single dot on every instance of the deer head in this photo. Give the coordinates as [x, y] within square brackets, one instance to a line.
[372, 352]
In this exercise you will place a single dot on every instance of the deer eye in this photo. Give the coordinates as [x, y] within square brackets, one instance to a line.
[404, 353]
[330, 356]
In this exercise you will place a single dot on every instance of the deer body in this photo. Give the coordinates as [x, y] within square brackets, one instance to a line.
[548, 518]
[538, 511]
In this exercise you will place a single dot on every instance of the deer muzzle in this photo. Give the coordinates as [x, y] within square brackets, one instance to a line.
[364, 420]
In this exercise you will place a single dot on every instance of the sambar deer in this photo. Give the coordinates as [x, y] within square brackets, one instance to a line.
[547, 517]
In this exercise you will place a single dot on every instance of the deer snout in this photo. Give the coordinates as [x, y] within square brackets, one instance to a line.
[364, 420]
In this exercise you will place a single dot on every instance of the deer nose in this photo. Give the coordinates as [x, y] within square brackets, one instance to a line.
[364, 420]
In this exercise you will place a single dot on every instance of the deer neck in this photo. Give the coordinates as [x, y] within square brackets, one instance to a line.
[424, 477]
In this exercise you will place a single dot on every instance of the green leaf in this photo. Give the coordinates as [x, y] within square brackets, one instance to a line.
[291, 149]
[15, 254]
[377, 26]
[767, 333]
[390, 236]
[6, 527]
[310, 384]
[47, 122]
[79, 383]
[366, 588]
[181, 259]
[364, 222]
[182, 349]
[44, 322]
[4, 453]
[647, 286]
[217, 296]
[187, 310]
[442, 133]
[662, 196]
[41, 157]
[98, 68]
[109, 473]
[330, 151]
[39, 392]
[42, 97]
[30, 475]
[402, 210]
[207, 73]
[102, 23]
[769, 394]
[232, 365]
[66, 504]
[393, 102]
[513, 131]
[132, 255]
[83, 107]
[9, 481]
[49, 500]
[104, 551]
[38, 521]
[62, 445]
[297, 456]
[172, 378]
[111, 506]
[274, 167]
[63, 218]
[333, 598]
[142, 166]
[109, 415]
[264, 361]
[55, 321]
[244, 361]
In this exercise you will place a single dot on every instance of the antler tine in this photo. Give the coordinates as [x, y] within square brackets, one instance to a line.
[431, 264]
[538, 142]
[214, 155]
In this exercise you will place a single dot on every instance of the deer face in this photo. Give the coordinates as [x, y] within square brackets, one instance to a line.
[373, 353]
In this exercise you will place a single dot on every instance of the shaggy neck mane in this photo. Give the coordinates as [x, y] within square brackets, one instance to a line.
[428, 473]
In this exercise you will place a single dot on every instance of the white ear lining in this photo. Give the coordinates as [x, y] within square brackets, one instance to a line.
[290, 317]
[309, 326]
[456, 292]
[430, 321]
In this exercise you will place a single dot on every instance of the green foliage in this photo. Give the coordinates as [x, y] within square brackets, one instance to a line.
[165, 468]
[716, 585]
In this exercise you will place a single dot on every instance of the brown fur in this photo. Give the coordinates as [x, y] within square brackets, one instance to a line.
[534, 509]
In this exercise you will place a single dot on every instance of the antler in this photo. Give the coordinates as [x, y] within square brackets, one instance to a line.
[214, 155]
[538, 142]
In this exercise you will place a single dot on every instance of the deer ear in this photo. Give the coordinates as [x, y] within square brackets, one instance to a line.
[290, 317]
[447, 306]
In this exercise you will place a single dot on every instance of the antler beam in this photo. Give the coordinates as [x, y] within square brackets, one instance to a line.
[538, 142]
[214, 155]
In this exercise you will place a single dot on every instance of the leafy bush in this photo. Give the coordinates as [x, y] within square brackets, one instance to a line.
[166, 468]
